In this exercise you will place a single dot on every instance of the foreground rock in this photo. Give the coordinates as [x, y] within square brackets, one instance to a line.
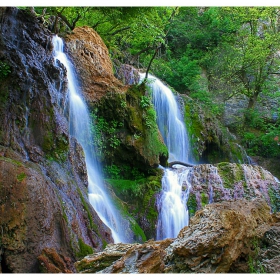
[223, 237]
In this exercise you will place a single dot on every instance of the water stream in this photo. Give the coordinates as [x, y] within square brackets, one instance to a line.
[80, 128]
[173, 212]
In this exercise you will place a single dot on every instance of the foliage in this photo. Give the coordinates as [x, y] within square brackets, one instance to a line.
[5, 70]
[254, 264]
[105, 134]
[145, 101]
[209, 53]
[261, 137]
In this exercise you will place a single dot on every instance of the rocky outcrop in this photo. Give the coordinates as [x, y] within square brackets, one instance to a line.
[220, 237]
[43, 208]
[126, 134]
[43, 182]
[92, 62]
[52, 262]
[228, 181]
[210, 140]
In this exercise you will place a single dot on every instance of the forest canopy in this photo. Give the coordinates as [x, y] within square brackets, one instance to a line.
[211, 54]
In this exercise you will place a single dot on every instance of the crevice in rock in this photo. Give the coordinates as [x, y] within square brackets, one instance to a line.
[4, 266]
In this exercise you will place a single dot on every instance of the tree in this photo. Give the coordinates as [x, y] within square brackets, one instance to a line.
[250, 62]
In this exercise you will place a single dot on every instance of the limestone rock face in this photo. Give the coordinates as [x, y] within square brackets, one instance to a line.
[231, 181]
[221, 238]
[92, 62]
[217, 236]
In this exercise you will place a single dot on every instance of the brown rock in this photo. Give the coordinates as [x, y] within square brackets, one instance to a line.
[35, 214]
[92, 63]
[217, 236]
[220, 239]
[52, 262]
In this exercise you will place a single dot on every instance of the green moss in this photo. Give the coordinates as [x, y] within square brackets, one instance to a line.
[194, 127]
[192, 204]
[84, 249]
[93, 226]
[126, 132]
[274, 195]
[63, 209]
[230, 175]
[123, 208]
[104, 244]
[21, 176]
[204, 199]
[140, 198]
[18, 163]
[137, 230]
[4, 95]
[5, 70]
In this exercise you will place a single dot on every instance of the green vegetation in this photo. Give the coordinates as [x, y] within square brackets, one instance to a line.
[93, 226]
[254, 264]
[5, 70]
[274, 196]
[230, 175]
[84, 249]
[17, 163]
[21, 177]
[140, 196]
[261, 136]
[192, 204]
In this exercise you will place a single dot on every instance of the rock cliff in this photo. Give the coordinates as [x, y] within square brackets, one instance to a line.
[91, 60]
[43, 201]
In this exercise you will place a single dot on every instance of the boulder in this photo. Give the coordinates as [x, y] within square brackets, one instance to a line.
[222, 237]
[92, 63]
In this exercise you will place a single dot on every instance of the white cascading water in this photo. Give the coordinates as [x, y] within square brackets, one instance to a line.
[79, 122]
[169, 120]
[173, 212]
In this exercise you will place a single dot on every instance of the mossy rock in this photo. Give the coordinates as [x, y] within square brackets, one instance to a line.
[131, 137]
[140, 198]
[230, 173]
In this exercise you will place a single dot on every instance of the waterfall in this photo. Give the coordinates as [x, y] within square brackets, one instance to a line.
[169, 120]
[173, 212]
[80, 128]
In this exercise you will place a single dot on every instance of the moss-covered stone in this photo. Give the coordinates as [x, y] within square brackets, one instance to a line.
[84, 249]
[21, 177]
[230, 174]
[210, 140]
[140, 199]
[127, 133]
[274, 195]
[192, 204]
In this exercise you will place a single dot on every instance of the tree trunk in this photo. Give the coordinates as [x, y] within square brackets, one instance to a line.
[253, 100]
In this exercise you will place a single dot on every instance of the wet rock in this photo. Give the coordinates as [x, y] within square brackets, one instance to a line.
[128, 74]
[43, 193]
[97, 262]
[43, 208]
[217, 236]
[92, 62]
[268, 256]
